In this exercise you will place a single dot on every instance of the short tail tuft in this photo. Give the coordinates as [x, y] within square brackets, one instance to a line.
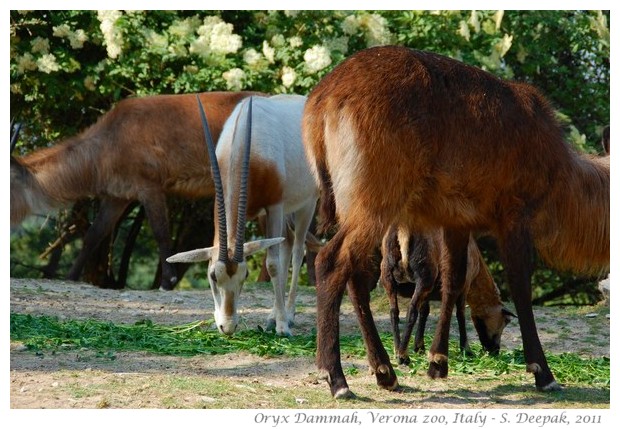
[327, 204]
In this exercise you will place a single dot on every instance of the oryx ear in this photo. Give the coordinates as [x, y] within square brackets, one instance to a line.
[256, 246]
[197, 255]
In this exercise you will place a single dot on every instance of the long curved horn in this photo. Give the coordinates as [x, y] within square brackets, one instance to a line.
[243, 195]
[219, 190]
[15, 134]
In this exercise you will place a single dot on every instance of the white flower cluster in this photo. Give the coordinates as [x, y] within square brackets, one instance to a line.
[47, 63]
[374, 26]
[288, 76]
[350, 25]
[42, 60]
[494, 60]
[185, 28]
[26, 63]
[295, 42]
[340, 44]
[89, 83]
[377, 32]
[464, 30]
[234, 78]
[260, 61]
[474, 21]
[504, 45]
[278, 41]
[215, 37]
[39, 45]
[252, 58]
[158, 42]
[599, 24]
[76, 38]
[269, 52]
[317, 58]
[111, 34]
[498, 17]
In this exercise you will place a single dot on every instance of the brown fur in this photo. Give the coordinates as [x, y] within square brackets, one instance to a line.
[433, 143]
[144, 149]
[265, 187]
[410, 268]
[32, 195]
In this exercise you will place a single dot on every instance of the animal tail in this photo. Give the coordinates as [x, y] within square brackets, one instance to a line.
[313, 243]
[327, 203]
[314, 142]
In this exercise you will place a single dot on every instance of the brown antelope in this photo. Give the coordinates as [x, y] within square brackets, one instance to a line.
[411, 138]
[410, 268]
[264, 172]
[144, 149]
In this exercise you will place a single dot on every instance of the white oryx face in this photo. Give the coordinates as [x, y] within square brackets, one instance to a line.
[226, 280]
[226, 274]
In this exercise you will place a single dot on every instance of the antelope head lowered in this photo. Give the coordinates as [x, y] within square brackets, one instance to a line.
[227, 268]
[145, 149]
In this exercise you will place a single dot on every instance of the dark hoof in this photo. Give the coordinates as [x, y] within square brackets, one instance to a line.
[386, 377]
[468, 353]
[551, 387]
[168, 284]
[337, 385]
[403, 360]
[438, 370]
[343, 393]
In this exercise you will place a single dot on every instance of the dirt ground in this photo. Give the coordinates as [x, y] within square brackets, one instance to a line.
[55, 380]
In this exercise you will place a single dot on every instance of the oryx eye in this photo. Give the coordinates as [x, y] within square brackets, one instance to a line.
[247, 274]
[213, 278]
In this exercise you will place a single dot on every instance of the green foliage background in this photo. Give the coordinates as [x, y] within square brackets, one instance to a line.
[69, 67]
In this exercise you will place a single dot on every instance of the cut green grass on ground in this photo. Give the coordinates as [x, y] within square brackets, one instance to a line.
[43, 334]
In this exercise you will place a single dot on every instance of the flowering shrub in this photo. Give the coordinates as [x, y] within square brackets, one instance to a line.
[67, 67]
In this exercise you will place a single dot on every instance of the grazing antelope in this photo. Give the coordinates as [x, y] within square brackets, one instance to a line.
[410, 268]
[263, 172]
[399, 136]
[144, 149]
